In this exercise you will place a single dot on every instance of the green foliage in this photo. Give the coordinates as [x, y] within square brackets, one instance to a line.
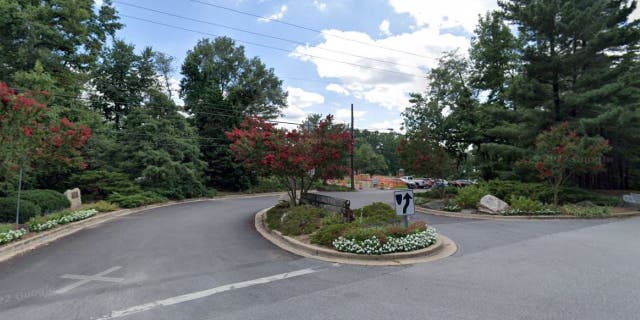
[576, 195]
[375, 214]
[28, 209]
[100, 184]
[217, 75]
[328, 232]
[136, 199]
[366, 160]
[383, 143]
[542, 193]
[451, 206]
[469, 197]
[587, 211]
[332, 218]
[48, 200]
[167, 159]
[267, 184]
[102, 206]
[524, 204]
[274, 215]
[301, 220]
[421, 155]
[4, 227]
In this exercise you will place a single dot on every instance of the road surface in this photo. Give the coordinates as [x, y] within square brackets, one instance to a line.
[204, 261]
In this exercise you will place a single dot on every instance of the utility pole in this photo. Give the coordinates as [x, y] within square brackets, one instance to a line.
[353, 145]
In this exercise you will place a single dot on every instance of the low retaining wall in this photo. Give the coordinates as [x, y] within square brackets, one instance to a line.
[443, 248]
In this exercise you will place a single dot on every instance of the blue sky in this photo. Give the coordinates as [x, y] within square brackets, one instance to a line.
[316, 84]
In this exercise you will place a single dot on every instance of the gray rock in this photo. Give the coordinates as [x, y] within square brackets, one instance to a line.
[74, 197]
[631, 200]
[492, 204]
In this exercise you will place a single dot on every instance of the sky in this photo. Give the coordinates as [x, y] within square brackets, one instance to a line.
[369, 53]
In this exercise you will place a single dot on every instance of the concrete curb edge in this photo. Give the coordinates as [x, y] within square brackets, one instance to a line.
[443, 248]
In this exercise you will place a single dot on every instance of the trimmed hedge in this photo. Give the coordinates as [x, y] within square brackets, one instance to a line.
[28, 210]
[48, 200]
[541, 192]
[468, 197]
[100, 184]
[136, 200]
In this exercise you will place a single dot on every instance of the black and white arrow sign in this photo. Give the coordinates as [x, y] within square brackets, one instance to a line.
[404, 202]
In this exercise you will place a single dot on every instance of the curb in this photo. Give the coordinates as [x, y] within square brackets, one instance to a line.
[443, 248]
[481, 216]
[40, 239]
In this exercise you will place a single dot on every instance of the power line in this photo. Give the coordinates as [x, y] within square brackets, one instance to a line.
[273, 48]
[261, 34]
[308, 28]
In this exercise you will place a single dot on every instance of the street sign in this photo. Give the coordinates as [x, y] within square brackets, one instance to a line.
[405, 204]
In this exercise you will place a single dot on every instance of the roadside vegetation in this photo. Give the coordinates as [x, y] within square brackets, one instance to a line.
[375, 230]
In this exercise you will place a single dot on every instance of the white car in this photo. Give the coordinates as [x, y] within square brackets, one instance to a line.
[411, 183]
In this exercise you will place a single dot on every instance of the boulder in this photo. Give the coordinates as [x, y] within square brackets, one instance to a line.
[631, 200]
[492, 205]
[74, 198]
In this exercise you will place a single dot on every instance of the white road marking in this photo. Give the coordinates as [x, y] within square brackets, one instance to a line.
[86, 279]
[204, 293]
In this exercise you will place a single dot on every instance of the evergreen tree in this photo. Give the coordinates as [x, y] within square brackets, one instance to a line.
[221, 86]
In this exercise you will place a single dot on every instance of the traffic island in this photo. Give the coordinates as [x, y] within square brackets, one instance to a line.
[442, 248]
[482, 216]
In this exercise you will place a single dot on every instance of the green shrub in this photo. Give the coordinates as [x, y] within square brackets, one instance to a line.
[267, 184]
[136, 200]
[398, 231]
[524, 204]
[468, 197]
[505, 189]
[100, 184]
[274, 215]
[102, 206]
[587, 211]
[363, 233]
[421, 201]
[333, 218]
[327, 233]
[301, 220]
[451, 206]
[28, 209]
[375, 214]
[48, 200]
[4, 227]
[575, 195]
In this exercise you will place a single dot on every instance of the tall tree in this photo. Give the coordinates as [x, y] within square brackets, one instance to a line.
[65, 36]
[122, 80]
[366, 160]
[220, 86]
[164, 67]
[578, 58]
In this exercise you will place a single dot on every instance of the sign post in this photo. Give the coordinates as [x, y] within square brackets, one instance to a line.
[405, 204]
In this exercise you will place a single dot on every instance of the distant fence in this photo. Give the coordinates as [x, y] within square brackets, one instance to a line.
[341, 206]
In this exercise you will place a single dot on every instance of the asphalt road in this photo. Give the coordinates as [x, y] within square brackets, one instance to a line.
[205, 261]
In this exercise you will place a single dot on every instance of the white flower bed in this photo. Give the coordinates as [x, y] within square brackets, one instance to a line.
[539, 212]
[11, 235]
[374, 246]
[74, 216]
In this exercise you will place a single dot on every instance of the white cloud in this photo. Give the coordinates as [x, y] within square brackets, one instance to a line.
[444, 14]
[395, 124]
[297, 100]
[302, 99]
[635, 14]
[321, 6]
[344, 115]
[276, 16]
[384, 27]
[388, 89]
[334, 87]
[98, 3]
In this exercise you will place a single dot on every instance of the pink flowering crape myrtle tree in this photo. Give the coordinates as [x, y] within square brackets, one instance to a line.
[297, 157]
[562, 153]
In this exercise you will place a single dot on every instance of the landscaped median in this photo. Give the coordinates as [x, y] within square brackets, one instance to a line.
[374, 238]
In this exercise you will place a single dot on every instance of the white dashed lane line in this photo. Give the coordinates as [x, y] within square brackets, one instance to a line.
[205, 293]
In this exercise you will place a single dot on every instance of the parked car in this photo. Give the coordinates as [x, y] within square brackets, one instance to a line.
[411, 183]
[424, 183]
[463, 182]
